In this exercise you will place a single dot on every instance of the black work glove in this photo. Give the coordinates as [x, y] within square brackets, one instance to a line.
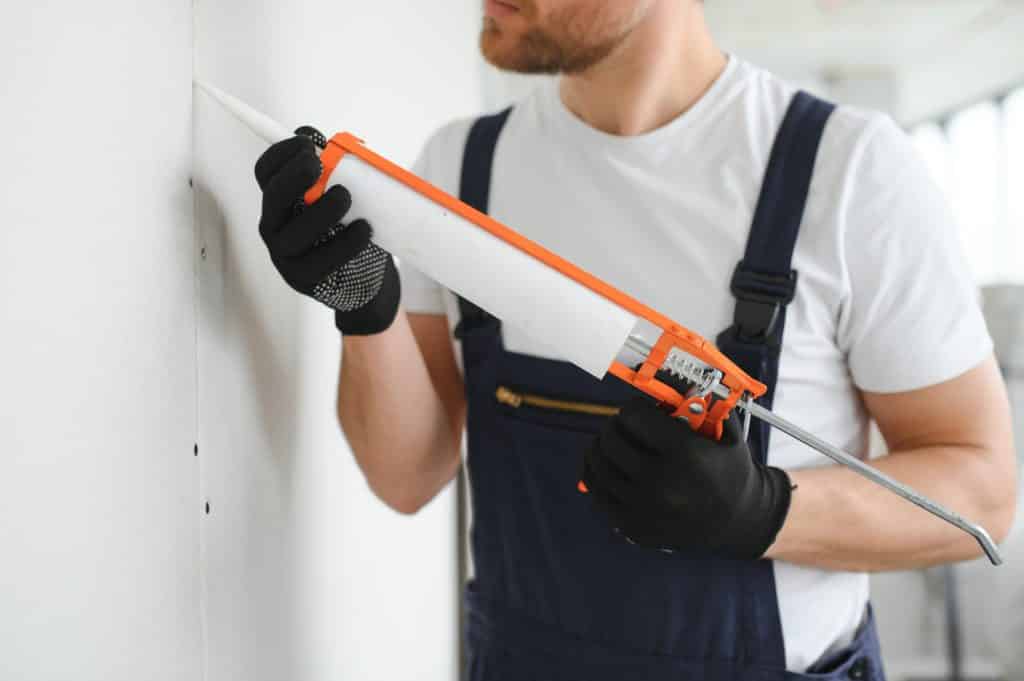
[664, 485]
[316, 254]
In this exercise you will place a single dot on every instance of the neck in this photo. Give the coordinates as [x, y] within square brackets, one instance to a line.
[659, 71]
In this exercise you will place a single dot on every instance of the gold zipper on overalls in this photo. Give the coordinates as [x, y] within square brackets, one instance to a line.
[515, 400]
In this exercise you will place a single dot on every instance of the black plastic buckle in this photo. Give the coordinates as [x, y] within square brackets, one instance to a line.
[760, 299]
[755, 320]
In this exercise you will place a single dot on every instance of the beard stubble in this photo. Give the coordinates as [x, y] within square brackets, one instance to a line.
[566, 45]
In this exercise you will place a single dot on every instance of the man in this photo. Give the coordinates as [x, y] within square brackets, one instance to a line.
[647, 163]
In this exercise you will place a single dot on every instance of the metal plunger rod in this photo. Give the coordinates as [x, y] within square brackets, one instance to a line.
[850, 461]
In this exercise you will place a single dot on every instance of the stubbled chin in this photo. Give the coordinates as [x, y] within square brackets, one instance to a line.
[510, 50]
[495, 47]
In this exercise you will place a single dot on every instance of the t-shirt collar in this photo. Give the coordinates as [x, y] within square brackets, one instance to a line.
[565, 122]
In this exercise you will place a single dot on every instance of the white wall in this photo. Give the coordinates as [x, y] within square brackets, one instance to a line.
[309, 576]
[132, 331]
[99, 511]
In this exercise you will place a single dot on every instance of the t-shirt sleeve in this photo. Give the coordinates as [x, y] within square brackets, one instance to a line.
[911, 317]
[420, 293]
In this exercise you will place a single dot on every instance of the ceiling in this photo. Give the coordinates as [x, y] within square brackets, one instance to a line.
[830, 37]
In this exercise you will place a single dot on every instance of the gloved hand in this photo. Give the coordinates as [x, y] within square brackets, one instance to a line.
[316, 254]
[663, 485]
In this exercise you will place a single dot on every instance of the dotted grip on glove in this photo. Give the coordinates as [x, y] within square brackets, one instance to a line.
[358, 281]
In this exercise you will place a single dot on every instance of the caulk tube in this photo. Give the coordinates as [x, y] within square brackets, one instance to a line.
[572, 321]
[263, 125]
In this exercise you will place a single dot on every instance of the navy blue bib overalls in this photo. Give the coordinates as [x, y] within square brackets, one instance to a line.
[558, 596]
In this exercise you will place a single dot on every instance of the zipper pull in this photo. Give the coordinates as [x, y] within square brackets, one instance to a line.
[506, 396]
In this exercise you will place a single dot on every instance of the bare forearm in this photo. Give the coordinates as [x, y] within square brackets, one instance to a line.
[839, 520]
[395, 422]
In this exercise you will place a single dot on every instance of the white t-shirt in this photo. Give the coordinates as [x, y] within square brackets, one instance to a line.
[884, 301]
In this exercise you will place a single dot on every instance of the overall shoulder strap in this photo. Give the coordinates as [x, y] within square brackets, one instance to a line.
[478, 159]
[475, 189]
[764, 281]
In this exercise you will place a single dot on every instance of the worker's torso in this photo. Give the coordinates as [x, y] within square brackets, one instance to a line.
[665, 217]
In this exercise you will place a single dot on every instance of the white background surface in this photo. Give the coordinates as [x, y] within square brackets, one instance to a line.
[99, 508]
[308, 575]
[123, 348]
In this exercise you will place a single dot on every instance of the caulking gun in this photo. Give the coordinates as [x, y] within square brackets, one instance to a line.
[608, 332]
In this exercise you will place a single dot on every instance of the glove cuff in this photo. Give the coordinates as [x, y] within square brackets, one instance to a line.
[378, 314]
[760, 523]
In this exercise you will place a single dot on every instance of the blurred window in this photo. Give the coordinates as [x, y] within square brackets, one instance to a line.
[974, 143]
[976, 157]
[1013, 110]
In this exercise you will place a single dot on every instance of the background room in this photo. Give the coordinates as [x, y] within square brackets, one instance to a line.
[176, 498]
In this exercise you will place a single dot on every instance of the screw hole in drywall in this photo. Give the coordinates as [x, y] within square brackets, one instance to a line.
[195, 450]
[202, 252]
[207, 508]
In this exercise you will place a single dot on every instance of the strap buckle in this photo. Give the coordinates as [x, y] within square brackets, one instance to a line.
[760, 300]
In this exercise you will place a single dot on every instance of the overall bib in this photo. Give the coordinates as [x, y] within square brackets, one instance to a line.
[557, 595]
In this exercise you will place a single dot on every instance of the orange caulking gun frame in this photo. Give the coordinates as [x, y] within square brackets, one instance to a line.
[699, 409]
[722, 386]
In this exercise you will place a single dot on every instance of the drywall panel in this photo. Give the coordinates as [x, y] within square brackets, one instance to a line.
[307, 574]
[99, 570]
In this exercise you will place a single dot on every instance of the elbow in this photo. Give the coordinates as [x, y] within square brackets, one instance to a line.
[998, 506]
[404, 484]
[407, 507]
[405, 491]
[391, 491]
[399, 498]
[406, 494]
[1001, 517]
[992, 505]
[996, 519]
